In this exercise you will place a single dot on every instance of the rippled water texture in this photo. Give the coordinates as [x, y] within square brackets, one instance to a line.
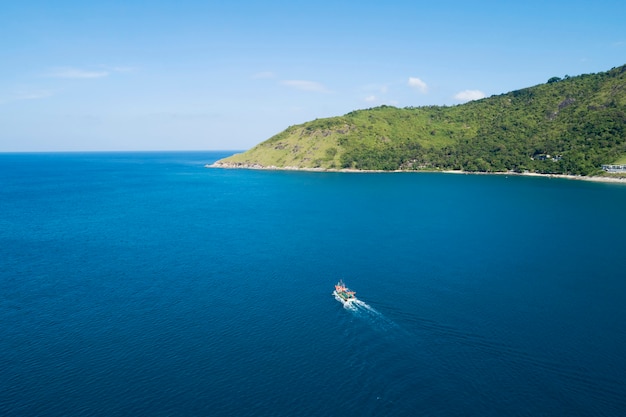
[146, 284]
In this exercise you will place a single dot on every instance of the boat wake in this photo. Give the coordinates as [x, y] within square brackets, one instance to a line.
[368, 313]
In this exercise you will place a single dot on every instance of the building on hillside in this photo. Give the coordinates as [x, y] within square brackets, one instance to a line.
[545, 157]
[615, 168]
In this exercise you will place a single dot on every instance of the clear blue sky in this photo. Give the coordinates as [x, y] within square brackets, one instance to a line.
[191, 74]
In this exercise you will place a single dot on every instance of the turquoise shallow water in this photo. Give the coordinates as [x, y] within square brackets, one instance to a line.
[145, 284]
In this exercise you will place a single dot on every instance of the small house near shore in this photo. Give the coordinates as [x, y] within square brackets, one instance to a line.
[615, 168]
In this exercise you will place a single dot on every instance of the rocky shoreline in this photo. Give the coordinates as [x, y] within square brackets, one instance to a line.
[227, 165]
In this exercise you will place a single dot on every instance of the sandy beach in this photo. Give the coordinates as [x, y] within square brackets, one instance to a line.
[605, 179]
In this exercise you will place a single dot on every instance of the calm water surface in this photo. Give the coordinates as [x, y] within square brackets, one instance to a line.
[146, 284]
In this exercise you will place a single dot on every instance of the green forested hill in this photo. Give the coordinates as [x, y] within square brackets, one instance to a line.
[569, 126]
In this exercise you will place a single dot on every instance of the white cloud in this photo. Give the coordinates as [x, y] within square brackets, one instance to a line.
[264, 75]
[123, 69]
[26, 94]
[79, 73]
[33, 95]
[305, 85]
[469, 95]
[379, 101]
[377, 88]
[418, 84]
[76, 73]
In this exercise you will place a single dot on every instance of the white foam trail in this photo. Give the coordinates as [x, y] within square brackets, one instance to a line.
[365, 311]
[367, 307]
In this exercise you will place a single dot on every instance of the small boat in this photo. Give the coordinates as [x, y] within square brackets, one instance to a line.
[343, 293]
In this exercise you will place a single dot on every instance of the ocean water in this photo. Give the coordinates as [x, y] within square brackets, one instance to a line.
[146, 284]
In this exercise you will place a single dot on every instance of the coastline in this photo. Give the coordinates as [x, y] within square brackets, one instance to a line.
[225, 165]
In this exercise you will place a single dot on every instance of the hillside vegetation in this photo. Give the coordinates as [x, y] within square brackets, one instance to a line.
[568, 126]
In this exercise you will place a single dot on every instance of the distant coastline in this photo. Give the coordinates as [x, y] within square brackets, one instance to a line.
[596, 178]
[565, 128]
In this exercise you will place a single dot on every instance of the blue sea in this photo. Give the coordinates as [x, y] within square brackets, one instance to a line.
[144, 284]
